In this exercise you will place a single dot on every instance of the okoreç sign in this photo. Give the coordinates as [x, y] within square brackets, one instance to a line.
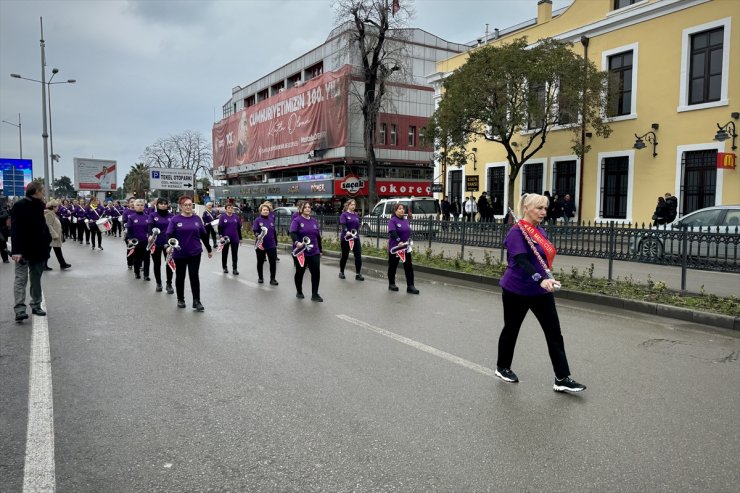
[354, 186]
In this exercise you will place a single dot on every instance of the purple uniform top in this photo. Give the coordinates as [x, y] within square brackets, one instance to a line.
[157, 220]
[307, 227]
[188, 230]
[125, 214]
[208, 217]
[63, 212]
[270, 240]
[79, 212]
[112, 212]
[515, 278]
[349, 221]
[230, 226]
[402, 227]
[137, 226]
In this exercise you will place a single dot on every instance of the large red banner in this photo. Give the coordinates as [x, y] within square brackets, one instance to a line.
[296, 121]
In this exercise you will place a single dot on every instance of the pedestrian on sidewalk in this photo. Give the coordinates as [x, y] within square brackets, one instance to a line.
[349, 239]
[399, 248]
[30, 240]
[305, 227]
[526, 286]
[55, 229]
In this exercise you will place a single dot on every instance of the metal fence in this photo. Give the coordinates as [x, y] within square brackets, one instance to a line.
[688, 248]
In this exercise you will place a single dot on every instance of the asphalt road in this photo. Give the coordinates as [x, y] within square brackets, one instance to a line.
[368, 391]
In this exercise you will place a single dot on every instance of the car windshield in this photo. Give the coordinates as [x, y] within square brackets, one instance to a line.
[702, 219]
[423, 207]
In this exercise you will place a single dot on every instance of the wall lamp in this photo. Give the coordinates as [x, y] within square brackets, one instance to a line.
[475, 160]
[650, 137]
[723, 134]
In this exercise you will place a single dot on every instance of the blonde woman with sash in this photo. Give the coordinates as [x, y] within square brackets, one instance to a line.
[527, 285]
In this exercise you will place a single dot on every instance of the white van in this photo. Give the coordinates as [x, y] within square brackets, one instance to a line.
[422, 208]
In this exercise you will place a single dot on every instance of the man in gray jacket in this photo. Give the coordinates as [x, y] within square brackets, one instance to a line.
[30, 240]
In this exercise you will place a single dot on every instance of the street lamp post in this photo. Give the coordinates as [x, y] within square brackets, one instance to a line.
[20, 134]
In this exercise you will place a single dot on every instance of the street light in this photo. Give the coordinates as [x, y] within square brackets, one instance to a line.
[20, 135]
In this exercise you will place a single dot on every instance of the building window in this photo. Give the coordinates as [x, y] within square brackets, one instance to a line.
[394, 134]
[564, 179]
[614, 187]
[536, 107]
[620, 70]
[698, 180]
[412, 136]
[705, 80]
[249, 101]
[496, 181]
[532, 179]
[454, 187]
[314, 71]
[620, 4]
[382, 133]
[567, 109]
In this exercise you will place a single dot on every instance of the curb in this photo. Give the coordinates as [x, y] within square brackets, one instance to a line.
[675, 312]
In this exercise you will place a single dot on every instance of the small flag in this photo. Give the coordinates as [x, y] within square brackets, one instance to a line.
[351, 244]
[153, 247]
[301, 259]
[402, 255]
[171, 263]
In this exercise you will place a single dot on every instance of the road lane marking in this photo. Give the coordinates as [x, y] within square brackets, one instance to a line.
[421, 346]
[38, 470]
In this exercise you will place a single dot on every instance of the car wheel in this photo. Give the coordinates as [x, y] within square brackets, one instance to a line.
[650, 248]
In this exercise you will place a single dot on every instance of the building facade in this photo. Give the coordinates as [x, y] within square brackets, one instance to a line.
[676, 64]
[297, 133]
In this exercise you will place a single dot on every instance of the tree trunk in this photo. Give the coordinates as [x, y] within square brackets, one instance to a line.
[510, 200]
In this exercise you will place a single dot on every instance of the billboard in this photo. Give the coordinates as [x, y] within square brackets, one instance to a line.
[95, 174]
[15, 175]
[298, 120]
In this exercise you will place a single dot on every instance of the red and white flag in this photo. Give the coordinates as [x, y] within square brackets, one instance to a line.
[402, 255]
[301, 258]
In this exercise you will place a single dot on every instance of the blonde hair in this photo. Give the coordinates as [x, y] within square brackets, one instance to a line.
[530, 200]
[346, 205]
[265, 204]
[139, 202]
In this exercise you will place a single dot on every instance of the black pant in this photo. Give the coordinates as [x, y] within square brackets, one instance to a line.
[408, 268]
[159, 253]
[95, 233]
[234, 247]
[357, 251]
[72, 229]
[60, 257]
[212, 233]
[189, 266]
[3, 248]
[271, 255]
[141, 255]
[543, 307]
[82, 231]
[65, 227]
[116, 229]
[313, 263]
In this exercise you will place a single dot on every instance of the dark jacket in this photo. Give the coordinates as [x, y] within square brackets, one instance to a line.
[28, 230]
[672, 206]
[4, 229]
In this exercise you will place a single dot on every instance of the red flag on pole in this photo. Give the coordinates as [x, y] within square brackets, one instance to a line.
[395, 7]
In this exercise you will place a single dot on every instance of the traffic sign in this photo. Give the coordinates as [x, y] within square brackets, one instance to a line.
[171, 179]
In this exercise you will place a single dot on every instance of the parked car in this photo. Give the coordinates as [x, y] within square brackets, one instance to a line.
[283, 217]
[715, 222]
[421, 208]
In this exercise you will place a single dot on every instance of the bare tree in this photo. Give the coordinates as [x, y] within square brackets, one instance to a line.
[187, 150]
[375, 30]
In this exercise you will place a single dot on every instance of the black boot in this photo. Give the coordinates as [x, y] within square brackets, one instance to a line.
[198, 306]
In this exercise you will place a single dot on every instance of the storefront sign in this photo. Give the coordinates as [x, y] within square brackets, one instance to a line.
[438, 187]
[293, 189]
[725, 160]
[385, 188]
[471, 183]
[352, 185]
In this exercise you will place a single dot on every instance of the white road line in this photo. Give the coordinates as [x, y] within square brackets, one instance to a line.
[421, 346]
[38, 471]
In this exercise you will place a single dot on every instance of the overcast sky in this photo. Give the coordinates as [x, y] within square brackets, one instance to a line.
[150, 69]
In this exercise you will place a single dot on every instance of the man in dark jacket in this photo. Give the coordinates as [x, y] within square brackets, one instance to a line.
[672, 206]
[4, 232]
[30, 239]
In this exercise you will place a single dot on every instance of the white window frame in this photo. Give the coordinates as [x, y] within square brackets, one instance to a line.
[543, 162]
[683, 96]
[412, 136]
[505, 165]
[556, 159]
[382, 131]
[720, 147]
[630, 153]
[394, 134]
[634, 48]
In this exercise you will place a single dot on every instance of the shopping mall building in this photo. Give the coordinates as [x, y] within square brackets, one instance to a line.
[297, 133]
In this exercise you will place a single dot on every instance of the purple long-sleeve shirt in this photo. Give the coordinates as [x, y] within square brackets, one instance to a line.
[230, 226]
[399, 230]
[270, 240]
[190, 232]
[303, 227]
[349, 221]
[161, 222]
[515, 278]
[137, 226]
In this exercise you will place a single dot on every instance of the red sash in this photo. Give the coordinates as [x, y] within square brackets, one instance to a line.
[537, 237]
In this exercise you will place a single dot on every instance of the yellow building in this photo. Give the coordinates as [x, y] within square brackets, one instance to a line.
[679, 63]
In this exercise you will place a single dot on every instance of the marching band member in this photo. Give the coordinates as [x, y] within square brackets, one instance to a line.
[399, 237]
[113, 214]
[124, 221]
[230, 226]
[80, 215]
[349, 239]
[64, 213]
[267, 246]
[209, 215]
[188, 230]
[272, 216]
[160, 219]
[306, 235]
[93, 212]
[527, 286]
[119, 227]
[137, 227]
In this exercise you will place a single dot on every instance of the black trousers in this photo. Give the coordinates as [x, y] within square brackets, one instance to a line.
[313, 264]
[65, 227]
[408, 268]
[82, 231]
[117, 228]
[543, 307]
[95, 233]
[4, 249]
[356, 251]
[234, 247]
[141, 256]
[72, 229]
[271, 255]
[157, 256]
[187, 266]
[59, 255]
[212, 233]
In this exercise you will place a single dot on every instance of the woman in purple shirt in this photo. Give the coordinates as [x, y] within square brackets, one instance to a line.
[350, 222]
[267, 247]
[399, 237]
[230, 226]
[93, 212]
[188, 230]
[527, 285]
[160, 219]
[305, 227]
[81, 216]
[137, 226]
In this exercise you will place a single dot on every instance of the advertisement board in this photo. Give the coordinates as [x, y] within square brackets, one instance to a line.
[298, 120]
[171, 179]
[15, 175]
[95, 174]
